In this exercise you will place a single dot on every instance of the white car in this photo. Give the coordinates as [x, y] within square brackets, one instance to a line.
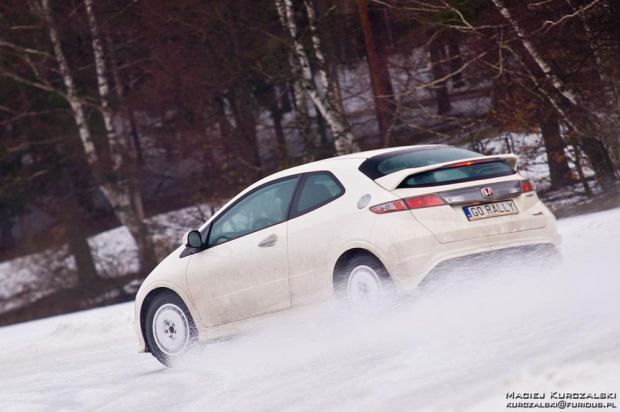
[348, 227]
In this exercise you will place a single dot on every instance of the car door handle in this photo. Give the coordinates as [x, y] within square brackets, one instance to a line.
[268, 241]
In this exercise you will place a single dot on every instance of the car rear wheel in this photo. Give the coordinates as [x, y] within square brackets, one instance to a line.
[169, 329]
[363, 282]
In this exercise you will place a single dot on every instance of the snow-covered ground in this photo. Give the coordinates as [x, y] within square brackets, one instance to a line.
[459, 349]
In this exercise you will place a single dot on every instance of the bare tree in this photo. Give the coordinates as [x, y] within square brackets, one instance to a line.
[380, 77]
[125, 202]
[325, 101]
[571, 104]
[123, 194]
[437, 49]
[560, 172]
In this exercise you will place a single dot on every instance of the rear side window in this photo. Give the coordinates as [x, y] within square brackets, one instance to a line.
[464, 173]
[317, 189]
[385, 164]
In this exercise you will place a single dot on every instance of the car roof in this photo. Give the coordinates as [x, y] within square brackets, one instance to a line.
[324, 164]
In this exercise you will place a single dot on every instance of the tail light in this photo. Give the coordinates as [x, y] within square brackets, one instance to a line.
[419, 202]
[527, 186]
[389, 207]
[416, 202]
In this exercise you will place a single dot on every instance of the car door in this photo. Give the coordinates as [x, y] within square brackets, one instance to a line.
[243, 272]
[315, 220]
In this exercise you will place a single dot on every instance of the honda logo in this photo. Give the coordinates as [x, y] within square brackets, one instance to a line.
[486, 192]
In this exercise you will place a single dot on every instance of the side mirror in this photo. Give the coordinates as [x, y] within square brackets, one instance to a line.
[193, 239]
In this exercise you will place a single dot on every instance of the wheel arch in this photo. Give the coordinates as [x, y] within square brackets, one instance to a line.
[346, 256]
[146, 301]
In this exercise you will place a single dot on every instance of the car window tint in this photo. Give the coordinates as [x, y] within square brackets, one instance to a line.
[466, 173]
[387, 163]
[265, 207]
[423, 158]
[318, 189]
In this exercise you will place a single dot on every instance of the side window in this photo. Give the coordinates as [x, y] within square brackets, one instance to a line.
[265, 207]
[317, 190]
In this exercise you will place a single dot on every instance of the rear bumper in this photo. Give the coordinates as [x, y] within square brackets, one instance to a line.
[501, 262]
[410, 276]
[417, 251]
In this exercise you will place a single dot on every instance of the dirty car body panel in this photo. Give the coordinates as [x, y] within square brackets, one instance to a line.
[277, 244]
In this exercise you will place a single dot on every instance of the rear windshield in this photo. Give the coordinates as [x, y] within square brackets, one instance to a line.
[466, 173]
[387, 163]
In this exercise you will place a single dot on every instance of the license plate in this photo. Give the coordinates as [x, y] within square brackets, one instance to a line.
[487, 210]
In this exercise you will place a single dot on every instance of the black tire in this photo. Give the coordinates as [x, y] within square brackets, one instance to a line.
[176, 331]
[363, 282]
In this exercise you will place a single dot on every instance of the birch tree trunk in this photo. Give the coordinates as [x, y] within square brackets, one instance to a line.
[78, 246]
[343, 138]
[327, 73]
[120, 200]
[533, 52]
[77, 108]
[592, 146]
[344, 141]
[301, 104]
[123, 194]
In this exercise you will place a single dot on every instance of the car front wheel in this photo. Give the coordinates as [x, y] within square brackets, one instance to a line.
[169, 329]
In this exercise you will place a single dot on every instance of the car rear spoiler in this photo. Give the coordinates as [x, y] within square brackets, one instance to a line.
[393, 180]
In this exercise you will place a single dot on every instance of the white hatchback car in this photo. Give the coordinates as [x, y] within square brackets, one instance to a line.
[349, 226]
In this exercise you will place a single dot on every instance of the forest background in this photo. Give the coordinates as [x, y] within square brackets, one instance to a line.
[114, 112]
